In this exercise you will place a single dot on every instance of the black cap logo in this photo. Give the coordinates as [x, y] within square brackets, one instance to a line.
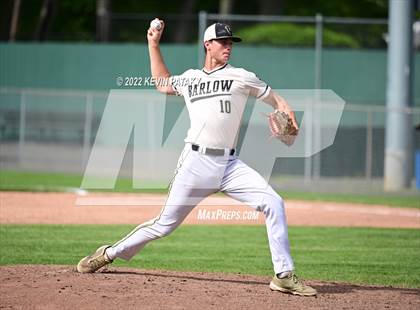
[224, 31]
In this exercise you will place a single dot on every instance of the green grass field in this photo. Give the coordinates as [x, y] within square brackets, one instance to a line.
[10, 180]
[387, 257]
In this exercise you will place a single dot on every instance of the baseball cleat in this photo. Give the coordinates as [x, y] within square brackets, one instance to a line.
[93, 262]
[291, 285]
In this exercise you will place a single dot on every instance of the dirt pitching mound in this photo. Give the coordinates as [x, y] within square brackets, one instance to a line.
[61, 287]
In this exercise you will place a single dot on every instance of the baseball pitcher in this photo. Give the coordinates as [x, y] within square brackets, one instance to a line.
[215, 97]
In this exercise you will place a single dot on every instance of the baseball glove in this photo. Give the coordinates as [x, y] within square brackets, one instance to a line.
[282, 128]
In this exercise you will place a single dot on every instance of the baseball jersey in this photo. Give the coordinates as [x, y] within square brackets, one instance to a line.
[216, 102]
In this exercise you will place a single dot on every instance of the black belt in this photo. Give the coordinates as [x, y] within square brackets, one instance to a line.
[210, 151]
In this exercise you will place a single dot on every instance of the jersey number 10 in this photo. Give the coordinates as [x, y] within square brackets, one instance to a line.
[225, 106]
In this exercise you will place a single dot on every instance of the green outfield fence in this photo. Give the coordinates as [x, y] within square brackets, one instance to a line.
[52, 97]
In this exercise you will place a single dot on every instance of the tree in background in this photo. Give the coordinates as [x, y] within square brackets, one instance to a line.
[46, 15]
[80, 20]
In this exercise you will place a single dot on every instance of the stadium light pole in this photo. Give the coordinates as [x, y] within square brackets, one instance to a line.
[398, 130]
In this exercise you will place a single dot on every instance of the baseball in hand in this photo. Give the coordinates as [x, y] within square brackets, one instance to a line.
[156, 24]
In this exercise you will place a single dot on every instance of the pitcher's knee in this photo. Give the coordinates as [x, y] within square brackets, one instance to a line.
[272, 204]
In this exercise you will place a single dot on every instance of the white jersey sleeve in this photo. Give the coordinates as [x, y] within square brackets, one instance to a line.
[256, 86]
[178, 82]
[175, 84]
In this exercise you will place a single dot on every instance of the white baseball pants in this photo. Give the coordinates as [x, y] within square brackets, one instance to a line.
[199, 175]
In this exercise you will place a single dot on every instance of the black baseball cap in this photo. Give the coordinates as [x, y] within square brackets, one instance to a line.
[219, 31]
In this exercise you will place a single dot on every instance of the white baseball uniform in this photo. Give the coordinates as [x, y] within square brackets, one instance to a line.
[215, 101]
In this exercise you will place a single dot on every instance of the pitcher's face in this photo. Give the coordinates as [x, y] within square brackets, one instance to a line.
[220, 49]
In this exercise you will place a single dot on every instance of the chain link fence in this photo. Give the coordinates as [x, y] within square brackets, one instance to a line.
[51, 129]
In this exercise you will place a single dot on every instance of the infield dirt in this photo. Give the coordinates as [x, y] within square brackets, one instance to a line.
[108, 208]
[61, 287]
